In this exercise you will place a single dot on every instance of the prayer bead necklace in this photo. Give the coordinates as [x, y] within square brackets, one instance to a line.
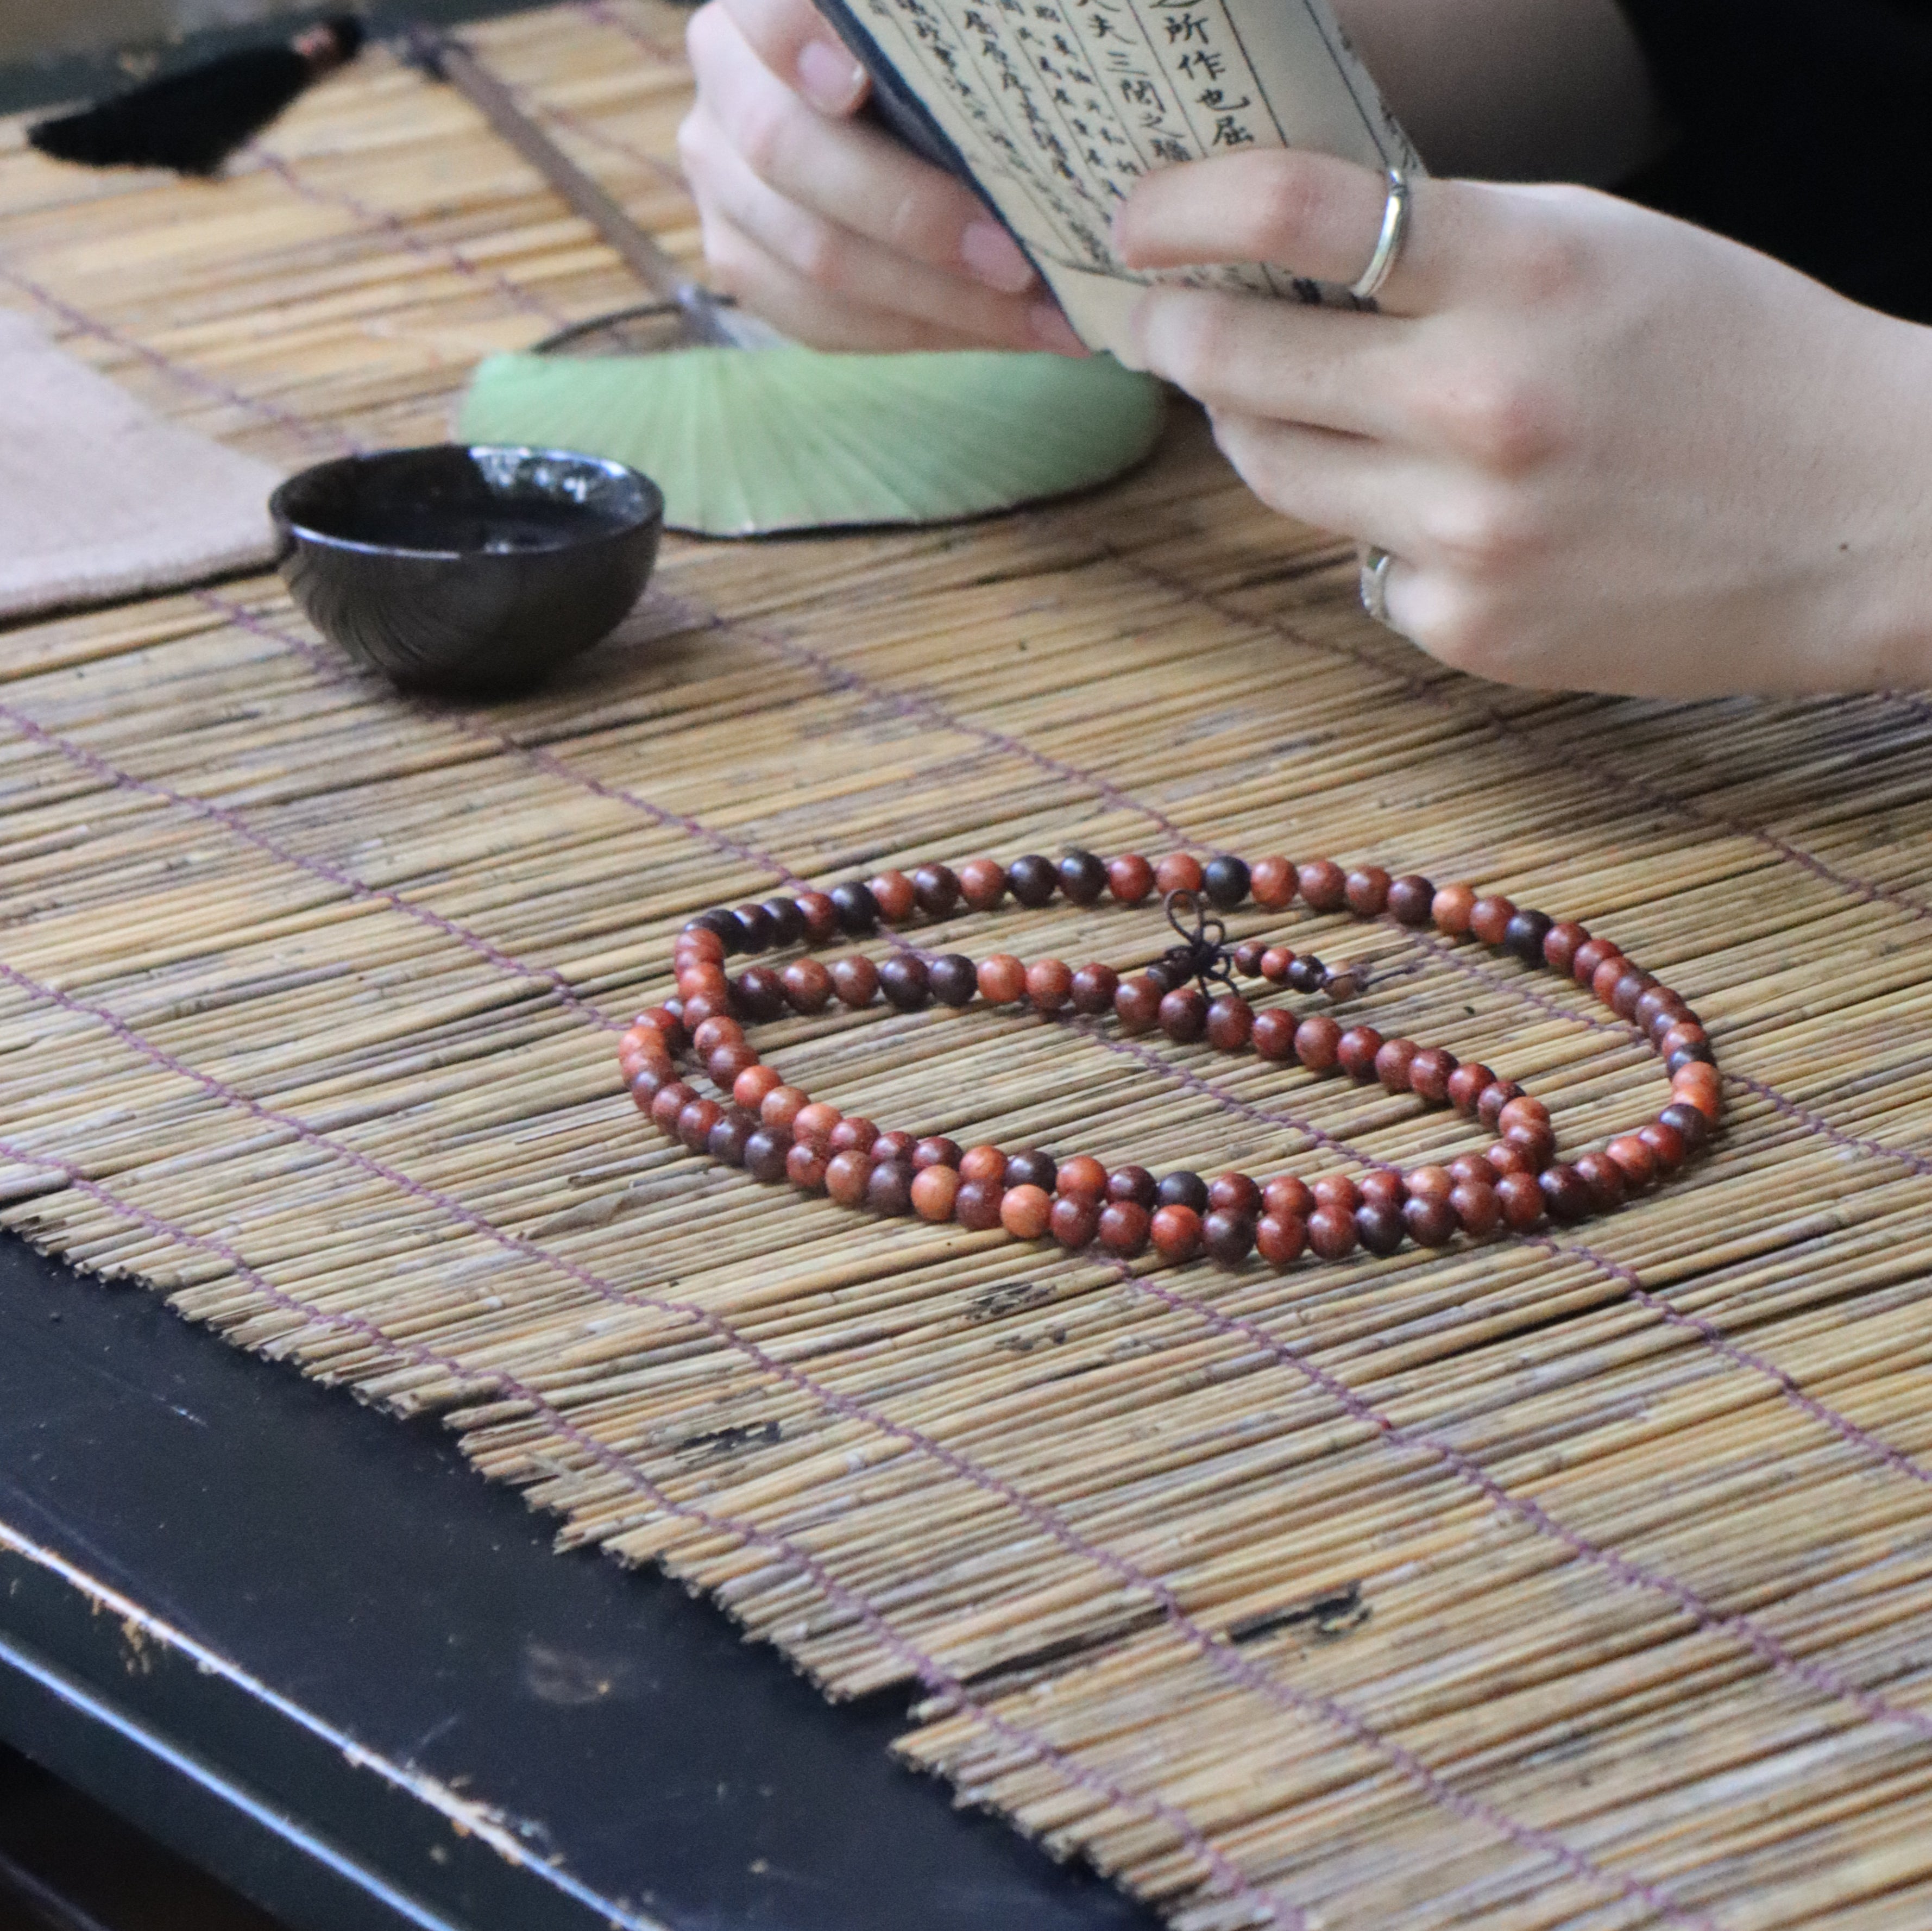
[776, 1132]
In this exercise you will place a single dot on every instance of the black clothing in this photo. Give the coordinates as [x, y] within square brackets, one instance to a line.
[1803, 134]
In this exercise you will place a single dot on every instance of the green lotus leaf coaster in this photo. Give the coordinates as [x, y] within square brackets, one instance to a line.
[750, 442]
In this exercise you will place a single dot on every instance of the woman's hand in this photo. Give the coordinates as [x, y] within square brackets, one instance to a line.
[827, 227]
[1610, 452]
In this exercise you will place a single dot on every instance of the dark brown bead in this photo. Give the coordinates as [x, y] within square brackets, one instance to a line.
[695, 1119]
[1123, 1229]
[1493, 1098]
[1129, 878]
[1392, 1059]
[954, 979]
[1691, 1124]
[1231, 1023]
[728, 1062]
[1033, 879]
[894, 1146]
[668, 1101]
[1274, 1034]
[1666, 1142]
[1306, 974]
[700, 1007]
[1489, 918]
[1183, 1015]
[1565, 1193]
[734, 1128]
[982, 883]
[1657, 1002]
[1317, 1043]
[975, 1206]
[1083, 877]
[1560, 944]
[1429, 1073]
[1522, 1199]
[936, 888]
[716, 1033]
[1137, 1004]
[1175, 1232]
[765, 1153]
[1366, 890]
[1049, 985]
[1135, 1184]
[903, 979]
[1477, 1208]
[757, 925]
[1229, 1236]
[852, 1135]
[1179, 872]
[1272, 883]
[1605, 1179]
[1286, 1196]
[1033, 1168]
[1688, 1056]
[1524, 935]
[1183, 1189]
[1073, 1220]
[858, 910]
[1410, 899]
[759, 992]
[1384, 1187]
[856, 980]
[1234, 1193]
[935, 1150]
[807, 985]
[1093, 989]
[1324, 885]
[723, 925]
[1538, 1143]
[805, 1168]
[647, 1082]
[1471, 1169]
[889, 1188]
[1588, 956]
[1225, 880]
[1355, 1051]
[1430, 1220]
[1508, 1156]
[1332, 1232]
[1002, 979]
[1282, 1239]
[819, 915]
[1248, 956]
[1026, 1212]
[1451, 908]
[1627, 991]
[1466, 1084]
[983, 1163]
[894, 895]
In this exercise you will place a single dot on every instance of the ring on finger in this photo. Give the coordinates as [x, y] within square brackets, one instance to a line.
[1389, 243]
[1376, 567]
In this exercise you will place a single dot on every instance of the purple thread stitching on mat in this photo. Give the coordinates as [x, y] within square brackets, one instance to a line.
[336, 669]
[394, 224]
[111, 775]
[1557, 747]
[1707, 1331]
[1761, 1642]
[938, 1681]
[179, 372]
[1220, 1655]
[589, 131]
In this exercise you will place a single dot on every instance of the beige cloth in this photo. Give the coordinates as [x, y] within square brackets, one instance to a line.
[100, 498]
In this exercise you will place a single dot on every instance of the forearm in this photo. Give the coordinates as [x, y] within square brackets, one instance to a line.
[1514, 90]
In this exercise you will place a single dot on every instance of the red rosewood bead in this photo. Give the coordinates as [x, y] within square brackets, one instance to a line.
[1083, 1175]
[1523, 1111]
[1274, 1034]
[811, 1126]
[758, 993]
[1026, 1212]
[896, 895]
[1429, 1183]
[1129, 878]
[1179, 872]
[1639, 1163]
[1074, 1220]
[819, 915]
[935, 1150]
[1275, 963]
[1588, 960]
[1666, 1142]
[1135, 1184]
[1382, 1188]
[647, 1083]
[1317, 1043]
[1231, 1023]
[1429, 1073]
[1511, 1156]
[846, 1174]
[1176, 1233]
[1248, 957]
[728, 1062]
[714, 1033]
[852, 1136]
[1393, 1060]
[1286, 1197]
[889, 1189]
[982, 883]
[1522, 1199]
[1183, 1015]
[1365, 891]
[1627, 991]
[1566, 1194]
[984, 1164]
[891, 1146]
[669, 1101]
[695, 1121]
[1493, 1098]
[1137, 1005]
[1003, 980]
[701, 943]
[1430, 1220]
[977, 1205]
[856, 980]
[1092, 990]
[1604, 1178]
[1339, 1191]
[1324, 885]
[1272, 884]
[933, 1191]
[805, 1168]
[1489, 918]
[1469, 1169]
[1561, 943]
[1478, 1209]
[781, 1106]
[1281, 1239]
[1604, 980]
[1355, 1051]
[1049, 985]
[1451, 908]
[1123, 1229]
[1409, 899]
[1331, 1232]
[1234, 1193]
[808, 985]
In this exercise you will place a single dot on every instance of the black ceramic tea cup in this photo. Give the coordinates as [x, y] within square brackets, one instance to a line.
[473, 571]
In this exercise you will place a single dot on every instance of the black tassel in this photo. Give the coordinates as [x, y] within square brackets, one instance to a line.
[193, 122]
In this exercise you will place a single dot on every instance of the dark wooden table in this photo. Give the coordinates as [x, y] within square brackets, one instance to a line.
[306, 1647]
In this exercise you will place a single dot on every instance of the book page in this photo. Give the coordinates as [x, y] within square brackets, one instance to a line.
[1058, 107]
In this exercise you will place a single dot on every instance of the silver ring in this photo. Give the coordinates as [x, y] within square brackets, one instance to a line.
[1376, 567]
[1388, 243]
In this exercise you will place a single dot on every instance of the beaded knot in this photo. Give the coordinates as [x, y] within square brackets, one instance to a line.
[1206, 957]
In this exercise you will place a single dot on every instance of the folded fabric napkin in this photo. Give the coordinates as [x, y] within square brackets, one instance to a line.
[100, 498]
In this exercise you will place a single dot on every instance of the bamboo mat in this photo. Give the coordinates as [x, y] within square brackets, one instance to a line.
[1581, 1582]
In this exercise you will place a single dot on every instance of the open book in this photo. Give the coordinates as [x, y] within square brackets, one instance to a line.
[1051, 109]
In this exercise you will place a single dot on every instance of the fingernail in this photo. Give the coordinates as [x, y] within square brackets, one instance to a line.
[1051, 330]
[995, 258]
[829, 78]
